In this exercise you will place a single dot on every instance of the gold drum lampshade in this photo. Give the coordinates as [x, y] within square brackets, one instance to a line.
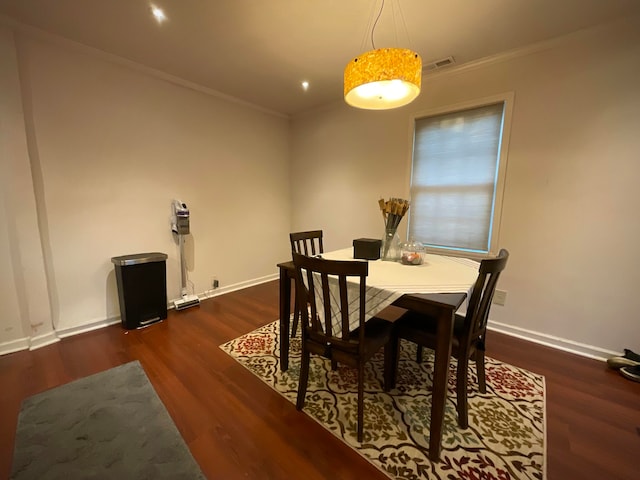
[382, 79]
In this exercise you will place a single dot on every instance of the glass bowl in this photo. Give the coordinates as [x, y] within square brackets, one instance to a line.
[412, 253]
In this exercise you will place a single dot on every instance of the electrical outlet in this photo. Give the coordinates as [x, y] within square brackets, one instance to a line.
[500, 297]
[215, 283]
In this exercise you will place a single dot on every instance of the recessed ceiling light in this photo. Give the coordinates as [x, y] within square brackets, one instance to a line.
[158, 13]
[305, 85]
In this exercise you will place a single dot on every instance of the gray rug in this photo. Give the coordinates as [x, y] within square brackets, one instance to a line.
[111, 425]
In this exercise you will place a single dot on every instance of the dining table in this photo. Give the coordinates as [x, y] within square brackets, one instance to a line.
[437, 288]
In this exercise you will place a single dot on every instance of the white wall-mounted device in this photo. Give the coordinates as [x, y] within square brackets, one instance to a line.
[180, 226]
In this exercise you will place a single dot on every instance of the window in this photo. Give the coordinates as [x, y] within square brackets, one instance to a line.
[457, 178]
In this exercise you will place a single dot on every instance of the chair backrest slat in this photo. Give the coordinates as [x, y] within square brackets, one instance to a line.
[303, 292]
[482, 295]
[344, 306]
[324, 277]
[307, 243]
[326, 300]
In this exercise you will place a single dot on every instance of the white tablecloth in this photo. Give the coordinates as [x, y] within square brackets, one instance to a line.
[388, 281]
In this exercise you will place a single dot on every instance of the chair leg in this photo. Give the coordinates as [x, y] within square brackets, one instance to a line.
[360, 401]
[334, 365]
[419, 354]
[461, 391]
[391, 353]
[482, 380]
[304, 378]
[296, 318]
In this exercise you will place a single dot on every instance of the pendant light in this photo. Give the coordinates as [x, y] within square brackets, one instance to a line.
[383, 78]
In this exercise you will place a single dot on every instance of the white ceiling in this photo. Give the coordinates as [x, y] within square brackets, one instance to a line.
[261, 50]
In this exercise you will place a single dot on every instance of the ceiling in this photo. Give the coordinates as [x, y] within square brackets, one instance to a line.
[260, 51]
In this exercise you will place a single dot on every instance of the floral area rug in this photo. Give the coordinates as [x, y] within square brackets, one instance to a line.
[506, 434]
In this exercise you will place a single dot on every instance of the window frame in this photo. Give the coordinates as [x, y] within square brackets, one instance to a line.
[507, 98]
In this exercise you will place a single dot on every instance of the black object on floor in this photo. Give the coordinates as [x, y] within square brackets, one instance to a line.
[631, 355]
[632, 373]
[629, 359]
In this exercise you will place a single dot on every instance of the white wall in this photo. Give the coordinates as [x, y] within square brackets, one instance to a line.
[571, 195]
[109, 147]
[26, 318]
[113, 147]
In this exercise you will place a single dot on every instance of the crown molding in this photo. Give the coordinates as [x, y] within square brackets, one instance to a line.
[519, 52]
[72, 45]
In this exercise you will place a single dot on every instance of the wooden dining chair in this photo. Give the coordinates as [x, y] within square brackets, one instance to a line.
[469, 332]
[322, 284]
[307, 243]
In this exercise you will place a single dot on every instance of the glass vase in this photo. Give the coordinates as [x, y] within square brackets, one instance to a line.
[390, 249]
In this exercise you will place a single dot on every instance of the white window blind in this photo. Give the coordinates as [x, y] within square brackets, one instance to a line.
[454, 177]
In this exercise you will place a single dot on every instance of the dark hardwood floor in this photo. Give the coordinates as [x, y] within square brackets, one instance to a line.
[237, 427]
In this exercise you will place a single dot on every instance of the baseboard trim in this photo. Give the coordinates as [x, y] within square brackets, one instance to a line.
[27, 343]
[70, 331]
[236, 286]
[40, 341]
[14, 346]
[588, 351]
[558, 343]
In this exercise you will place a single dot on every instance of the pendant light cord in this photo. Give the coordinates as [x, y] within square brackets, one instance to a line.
[399, 13]
[376, 23]
[404, 24]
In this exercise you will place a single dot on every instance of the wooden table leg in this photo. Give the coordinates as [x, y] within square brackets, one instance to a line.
[285, 312]
[440, 382]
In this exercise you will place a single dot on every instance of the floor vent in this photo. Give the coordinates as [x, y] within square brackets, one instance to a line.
[438, 64]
